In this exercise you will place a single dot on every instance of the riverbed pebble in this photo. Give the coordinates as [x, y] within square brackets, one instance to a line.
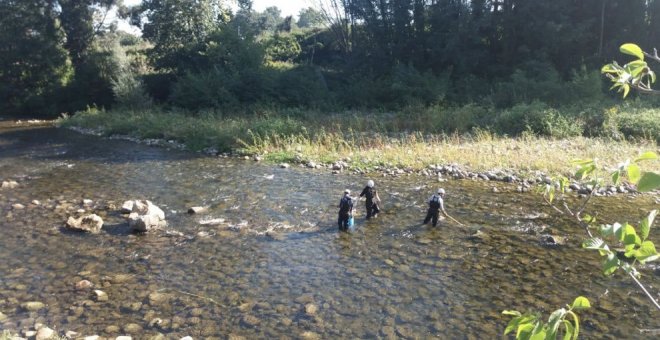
[33, 306]
[83, 284]
[44, 333]
[197, 210]
[90, 223]
[9, 184]
[132, 328]
[100, 295]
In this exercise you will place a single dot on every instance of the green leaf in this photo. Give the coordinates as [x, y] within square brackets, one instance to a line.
[633, 50]
[646, 224]
[511, 312]
[634, 173]
[619, 231]
[553, 322]
[615, 177]
[630, 236]
[652, 76]
[526, 330]
[649, 155]
[594, 243]
[513, 324]
[649, 181]
[610, 68]
[635, 68]
[626, 90]
[646, 253]
[580, 303]
[539, 334]
[611, 264]
[585, 170]
[570, 330]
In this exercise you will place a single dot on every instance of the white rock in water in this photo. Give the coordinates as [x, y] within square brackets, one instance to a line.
[100, 295]
[87, 202]
[197, 210]
[186, 338]
[284, 165]
[145, 216]
[45, 333]
[36, 202]
[9, 184]
[123, 337]
[90, 223]
[214, 221]
[127, 207]
[18, 206]
[91, 337]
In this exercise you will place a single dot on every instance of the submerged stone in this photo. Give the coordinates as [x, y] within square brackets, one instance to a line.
[91, 223]
[33, 306]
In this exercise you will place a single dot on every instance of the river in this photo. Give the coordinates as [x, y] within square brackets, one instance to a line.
[273, 264]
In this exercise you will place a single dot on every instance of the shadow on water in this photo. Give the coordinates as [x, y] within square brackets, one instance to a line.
[47, 143]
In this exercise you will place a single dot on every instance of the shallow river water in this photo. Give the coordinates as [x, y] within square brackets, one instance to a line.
[272, 265]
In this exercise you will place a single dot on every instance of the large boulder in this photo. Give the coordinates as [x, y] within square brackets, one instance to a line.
[91, 223]
[145, 216]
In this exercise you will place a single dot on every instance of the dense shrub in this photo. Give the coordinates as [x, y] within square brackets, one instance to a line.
[282, 47]
[538, 118]
[301, 86]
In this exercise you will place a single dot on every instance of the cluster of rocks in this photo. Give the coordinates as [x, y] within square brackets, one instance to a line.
[443, 172]
[42, 332]
[9, 184]
[143, 216]
[148, 141]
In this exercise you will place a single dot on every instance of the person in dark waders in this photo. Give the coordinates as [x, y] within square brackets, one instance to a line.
[436, 204]
[345, 210]
[372, 199]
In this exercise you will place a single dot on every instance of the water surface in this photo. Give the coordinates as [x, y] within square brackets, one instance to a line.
[277, 267]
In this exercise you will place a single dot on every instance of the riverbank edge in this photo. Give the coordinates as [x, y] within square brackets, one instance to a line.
[523, 181]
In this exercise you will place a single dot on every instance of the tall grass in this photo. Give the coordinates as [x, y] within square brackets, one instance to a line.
[413, 138]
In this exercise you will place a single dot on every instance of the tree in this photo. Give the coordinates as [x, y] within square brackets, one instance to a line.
[77, 18]
[33, 62]
[270, 19]
[309, 18]
[176, 28]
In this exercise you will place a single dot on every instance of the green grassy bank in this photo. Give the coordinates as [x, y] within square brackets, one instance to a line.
[543, 139]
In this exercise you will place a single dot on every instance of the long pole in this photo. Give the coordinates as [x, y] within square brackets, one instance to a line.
[453, 219]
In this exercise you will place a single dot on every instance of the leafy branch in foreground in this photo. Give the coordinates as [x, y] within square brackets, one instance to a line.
[635, 74]
[529, 326]
[635, 249]
[630, 247]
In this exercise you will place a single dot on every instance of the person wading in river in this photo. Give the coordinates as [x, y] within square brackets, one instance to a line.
[372, 199]
[436, 204]
[345, 210]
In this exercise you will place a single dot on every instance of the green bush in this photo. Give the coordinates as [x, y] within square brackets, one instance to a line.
[538, 118]
[281, 47]
[198, 91]
[301, 86]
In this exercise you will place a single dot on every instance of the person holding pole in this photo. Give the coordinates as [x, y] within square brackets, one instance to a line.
[436, 204]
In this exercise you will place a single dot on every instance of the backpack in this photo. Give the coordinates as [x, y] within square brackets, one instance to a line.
[369, 194]
[345, 205]
[435, 202]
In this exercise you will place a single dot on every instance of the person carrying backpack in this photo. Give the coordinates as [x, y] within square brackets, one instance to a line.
[436, 204]
[345, 210]
[371, 195]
